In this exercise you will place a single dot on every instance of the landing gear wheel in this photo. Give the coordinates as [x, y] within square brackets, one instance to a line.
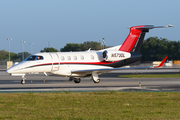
[77, 80]
[71, 79]
[97, 81]
[95, 77]
[22, 82]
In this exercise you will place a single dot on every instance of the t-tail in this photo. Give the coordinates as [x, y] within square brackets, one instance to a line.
[136, 36]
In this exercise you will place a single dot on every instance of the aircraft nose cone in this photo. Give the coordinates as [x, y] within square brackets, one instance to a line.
[9, 71]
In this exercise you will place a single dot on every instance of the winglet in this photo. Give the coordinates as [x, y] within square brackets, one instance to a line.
[162, 63]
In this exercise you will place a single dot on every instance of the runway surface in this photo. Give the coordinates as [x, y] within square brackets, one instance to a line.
[109, 81]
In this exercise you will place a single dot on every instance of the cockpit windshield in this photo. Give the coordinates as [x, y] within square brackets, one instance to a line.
[34, 57]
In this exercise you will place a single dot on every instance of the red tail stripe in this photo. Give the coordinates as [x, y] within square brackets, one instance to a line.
[131, 39]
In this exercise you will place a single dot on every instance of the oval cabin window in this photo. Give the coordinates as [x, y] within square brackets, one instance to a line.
[62, 57]
[92, 57]
[75, 57]
[82, 57]
[68, 57]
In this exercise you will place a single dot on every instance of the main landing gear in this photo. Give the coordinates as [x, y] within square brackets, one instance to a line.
[23, 80]
[76, 80]
[97, 81]
[94, 77]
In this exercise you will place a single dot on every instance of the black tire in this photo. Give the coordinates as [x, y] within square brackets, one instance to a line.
[97, 81]
[71, 79]
[22, 82]
[77, 80]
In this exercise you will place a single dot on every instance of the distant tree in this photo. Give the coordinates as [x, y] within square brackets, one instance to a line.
[4, 55]
[20, 55]
[92, 45]
[51, 49]
[154, 49]
[81, 47]
[13, 56]
[72, 47]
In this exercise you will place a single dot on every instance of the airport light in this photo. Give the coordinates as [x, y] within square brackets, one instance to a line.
[102, 43]
[31, 48]
[23, 49]
[9, 46]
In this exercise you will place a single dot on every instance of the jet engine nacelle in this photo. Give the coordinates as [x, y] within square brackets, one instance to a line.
[115, 55]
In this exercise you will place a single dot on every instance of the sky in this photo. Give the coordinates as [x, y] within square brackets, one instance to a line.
[55, 23]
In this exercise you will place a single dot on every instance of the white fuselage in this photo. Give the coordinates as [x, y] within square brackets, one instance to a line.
[62, 63]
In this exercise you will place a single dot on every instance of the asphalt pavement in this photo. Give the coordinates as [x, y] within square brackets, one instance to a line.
[109, 81]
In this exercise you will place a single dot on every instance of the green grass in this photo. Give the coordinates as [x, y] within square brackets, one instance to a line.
[90, 105]
[151, 76]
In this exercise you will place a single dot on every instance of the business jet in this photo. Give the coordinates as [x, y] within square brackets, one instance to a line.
[76, 65]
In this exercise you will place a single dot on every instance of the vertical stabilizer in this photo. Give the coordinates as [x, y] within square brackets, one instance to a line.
[132, 38]
[136, 36]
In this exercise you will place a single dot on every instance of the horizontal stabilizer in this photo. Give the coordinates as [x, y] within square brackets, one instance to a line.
[152, 26]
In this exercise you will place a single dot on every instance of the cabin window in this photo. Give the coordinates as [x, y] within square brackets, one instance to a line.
[82, 57]
[92, 57]
[75, 57]
[34, 57]
[62, 57]
[39, 58]
[68, 57]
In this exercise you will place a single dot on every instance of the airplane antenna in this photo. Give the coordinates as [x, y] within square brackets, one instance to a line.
[89, 49]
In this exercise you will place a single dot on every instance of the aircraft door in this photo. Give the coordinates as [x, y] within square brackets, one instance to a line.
[55, 61]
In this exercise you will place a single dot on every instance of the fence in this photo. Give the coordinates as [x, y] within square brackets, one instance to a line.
[4, 65]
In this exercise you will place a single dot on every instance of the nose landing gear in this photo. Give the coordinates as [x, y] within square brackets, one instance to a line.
[95, 77]
[23, 80]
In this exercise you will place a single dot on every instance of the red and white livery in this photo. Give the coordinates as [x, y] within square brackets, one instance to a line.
[76, 65]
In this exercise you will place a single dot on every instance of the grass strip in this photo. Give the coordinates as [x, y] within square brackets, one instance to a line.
[90, 105]
[151, 76]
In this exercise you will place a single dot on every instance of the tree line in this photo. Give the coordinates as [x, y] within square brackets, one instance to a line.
[153, 49]
[15, 57]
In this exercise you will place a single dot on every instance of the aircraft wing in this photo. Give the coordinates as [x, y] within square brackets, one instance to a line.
[100, 71]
